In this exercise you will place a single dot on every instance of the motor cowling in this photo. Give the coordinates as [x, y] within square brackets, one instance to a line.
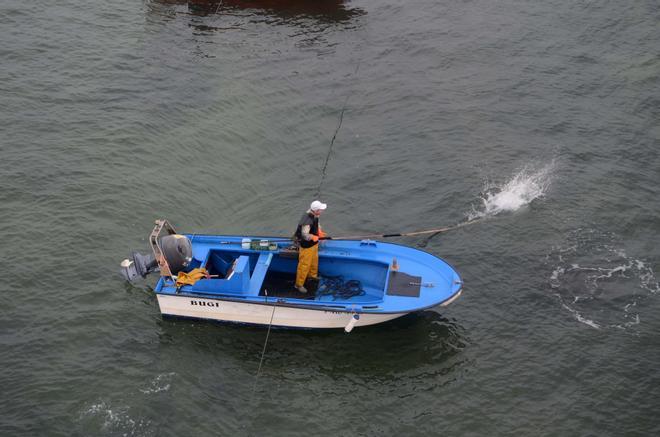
[177, 250]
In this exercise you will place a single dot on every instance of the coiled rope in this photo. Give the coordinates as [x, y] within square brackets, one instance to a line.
[338, 288]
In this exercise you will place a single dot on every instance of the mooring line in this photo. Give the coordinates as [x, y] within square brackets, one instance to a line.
[332, 142]
[263, 352]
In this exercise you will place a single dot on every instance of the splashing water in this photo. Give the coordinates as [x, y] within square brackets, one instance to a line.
[527, 185]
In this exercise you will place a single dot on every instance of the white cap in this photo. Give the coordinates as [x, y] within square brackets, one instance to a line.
[317, 205]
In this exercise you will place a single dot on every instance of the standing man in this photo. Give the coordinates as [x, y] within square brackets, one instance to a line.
[307, 235]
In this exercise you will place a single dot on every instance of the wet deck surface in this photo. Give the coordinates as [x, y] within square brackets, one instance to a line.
[282, 284]
[279, 284]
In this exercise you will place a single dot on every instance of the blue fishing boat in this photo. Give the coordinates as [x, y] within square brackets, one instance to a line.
[251, 280]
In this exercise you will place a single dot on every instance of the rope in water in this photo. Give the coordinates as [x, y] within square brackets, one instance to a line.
[263, 351]
[332, 142]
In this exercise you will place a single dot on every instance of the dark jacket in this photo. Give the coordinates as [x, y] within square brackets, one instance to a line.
[304, 238]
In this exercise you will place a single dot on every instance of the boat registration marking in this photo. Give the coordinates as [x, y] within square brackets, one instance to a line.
[204, 303]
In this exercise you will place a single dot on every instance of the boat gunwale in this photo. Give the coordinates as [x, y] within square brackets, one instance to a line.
[283, 239]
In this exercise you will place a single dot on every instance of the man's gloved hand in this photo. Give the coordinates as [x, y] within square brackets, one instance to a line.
[315, 238]
[322, 234]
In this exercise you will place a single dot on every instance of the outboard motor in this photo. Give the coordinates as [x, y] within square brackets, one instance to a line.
[138, 265]
[176, 249]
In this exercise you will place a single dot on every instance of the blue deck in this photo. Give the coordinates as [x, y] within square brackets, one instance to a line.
[245, 275]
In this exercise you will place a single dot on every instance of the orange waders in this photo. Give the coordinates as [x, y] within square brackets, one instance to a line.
[308, 264]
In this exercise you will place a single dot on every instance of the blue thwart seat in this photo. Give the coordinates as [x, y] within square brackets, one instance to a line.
[259, 273]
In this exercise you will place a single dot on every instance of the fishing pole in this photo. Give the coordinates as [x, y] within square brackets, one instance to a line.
[362, 237]
[408, 234]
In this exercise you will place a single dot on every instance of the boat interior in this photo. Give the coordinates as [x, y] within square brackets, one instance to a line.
[251, 273]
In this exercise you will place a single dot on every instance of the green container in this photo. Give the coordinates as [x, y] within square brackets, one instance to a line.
[262, 245]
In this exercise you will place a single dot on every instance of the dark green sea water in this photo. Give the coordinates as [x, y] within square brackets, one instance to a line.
[541, 117]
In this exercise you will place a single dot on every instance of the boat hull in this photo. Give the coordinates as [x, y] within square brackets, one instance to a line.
[265, 314]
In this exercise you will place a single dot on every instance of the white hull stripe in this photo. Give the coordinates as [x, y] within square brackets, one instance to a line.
[243, 312]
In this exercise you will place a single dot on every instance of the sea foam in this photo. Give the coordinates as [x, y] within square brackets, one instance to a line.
[598, 282]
